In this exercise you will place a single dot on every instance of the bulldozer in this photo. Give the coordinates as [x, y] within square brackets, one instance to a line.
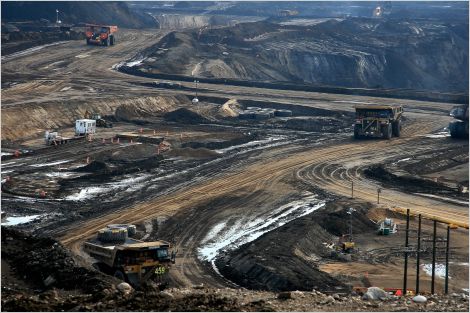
[133, 261]
[346, 244]
[100, 122]
[459, 128]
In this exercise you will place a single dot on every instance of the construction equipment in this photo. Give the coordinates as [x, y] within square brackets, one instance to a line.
[459, 128]
[387, 227]
[346, 244]
[100, 122]
[128, 259]
[378, 121]
[103, 35]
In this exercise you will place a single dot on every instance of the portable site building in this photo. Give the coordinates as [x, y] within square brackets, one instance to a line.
[84, 127]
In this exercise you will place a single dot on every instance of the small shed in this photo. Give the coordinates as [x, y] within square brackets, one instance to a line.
[85, 126]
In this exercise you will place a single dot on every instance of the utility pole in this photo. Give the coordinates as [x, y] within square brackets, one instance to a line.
[405, 272]
[379, 190]
[446, 284]
[418, 254]
[352, 189]
[433, 257]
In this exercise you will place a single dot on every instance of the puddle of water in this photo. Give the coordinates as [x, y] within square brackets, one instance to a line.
[17, 220]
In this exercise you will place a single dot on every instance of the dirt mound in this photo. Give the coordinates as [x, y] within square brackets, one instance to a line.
[198, 153]
[292, 253]
[184, 116]
[37, 117]
[109, 13]
[230, 108]
[93, 167]
[146, 107]
[44, 263]
[408, 182]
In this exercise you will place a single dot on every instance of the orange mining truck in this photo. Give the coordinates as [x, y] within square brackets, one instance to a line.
[100, 34]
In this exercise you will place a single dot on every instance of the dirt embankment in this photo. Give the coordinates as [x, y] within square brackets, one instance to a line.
[440, 172]
[263, 51]
[36, 118]
[291, 254]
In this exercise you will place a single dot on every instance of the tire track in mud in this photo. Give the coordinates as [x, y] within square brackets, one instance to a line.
[319, 174]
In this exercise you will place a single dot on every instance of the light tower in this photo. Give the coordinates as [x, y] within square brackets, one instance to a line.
[57, 21]
[195, 100]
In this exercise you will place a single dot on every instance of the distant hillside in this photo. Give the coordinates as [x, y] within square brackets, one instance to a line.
[74, 12]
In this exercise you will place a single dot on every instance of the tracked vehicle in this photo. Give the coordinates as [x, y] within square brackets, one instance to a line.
[131, 260]
[380, 121]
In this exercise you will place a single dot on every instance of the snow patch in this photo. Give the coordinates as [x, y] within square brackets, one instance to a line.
[129, 184]
[442, 134]
[247, 229]
[17, 220]
[29, 51]
[440, 270]
[49, 164]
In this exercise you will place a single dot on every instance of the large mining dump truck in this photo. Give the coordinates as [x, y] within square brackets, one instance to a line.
[382, 121]
[131, 260]
[459, 128]
[100, 34]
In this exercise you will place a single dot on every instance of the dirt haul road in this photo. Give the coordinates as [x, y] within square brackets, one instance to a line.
[318, 167]
[73, 71]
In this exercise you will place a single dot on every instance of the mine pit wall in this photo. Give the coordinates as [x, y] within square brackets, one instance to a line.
[420, 95]
[30, 120]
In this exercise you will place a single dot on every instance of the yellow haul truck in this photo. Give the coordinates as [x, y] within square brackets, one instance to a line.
[128, 259]
[382, 121]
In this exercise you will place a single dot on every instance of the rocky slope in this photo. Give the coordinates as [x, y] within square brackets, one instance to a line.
[356, 52]
[73, 12]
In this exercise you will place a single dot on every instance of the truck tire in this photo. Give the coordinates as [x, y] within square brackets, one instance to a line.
[357, 129]
[120, 275]
[111, 40]
[112, 235]
[131, 229]
[387, 131]
[88, 41]
[106, 42]
[396, 128]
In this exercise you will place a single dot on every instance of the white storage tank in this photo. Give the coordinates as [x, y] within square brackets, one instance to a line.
[85, 126]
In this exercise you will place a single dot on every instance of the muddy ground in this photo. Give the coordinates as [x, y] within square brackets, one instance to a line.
[252, 184]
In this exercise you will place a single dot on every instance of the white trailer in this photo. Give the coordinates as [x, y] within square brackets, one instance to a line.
[84, 127]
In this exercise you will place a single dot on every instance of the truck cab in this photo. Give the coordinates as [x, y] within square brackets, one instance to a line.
[380, 121]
